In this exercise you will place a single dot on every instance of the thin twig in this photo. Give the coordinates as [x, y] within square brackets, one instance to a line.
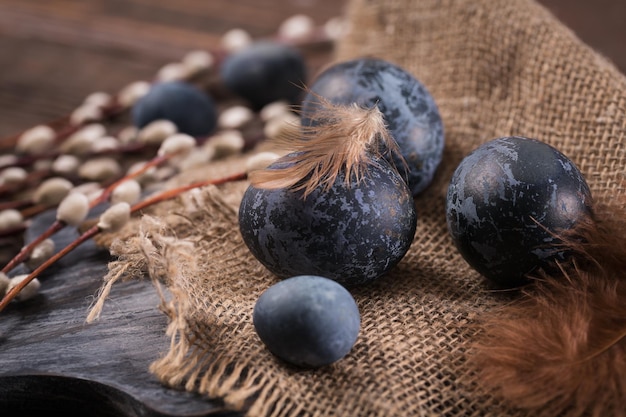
[13, 292]
[59, 225]
[94, 230]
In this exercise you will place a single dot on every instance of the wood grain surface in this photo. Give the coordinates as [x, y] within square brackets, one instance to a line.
[50, 359]
[53, 53]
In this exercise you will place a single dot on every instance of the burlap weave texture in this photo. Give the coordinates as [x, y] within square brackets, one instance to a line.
[495, 68]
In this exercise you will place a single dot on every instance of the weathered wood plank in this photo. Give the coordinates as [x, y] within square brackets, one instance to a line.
[54, 53]
[46, 341]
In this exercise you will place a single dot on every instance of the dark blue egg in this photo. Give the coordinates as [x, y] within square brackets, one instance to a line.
[265, 72]
[189, 108]
[409, 110]
[506, 204]
[352, 233]
[308, 321]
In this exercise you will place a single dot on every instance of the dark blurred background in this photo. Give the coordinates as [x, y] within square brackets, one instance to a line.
[53, 53]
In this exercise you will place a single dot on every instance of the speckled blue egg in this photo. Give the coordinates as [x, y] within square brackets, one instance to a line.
[308, 321]
[189, 108]
[352, 233]
[265, 72]
[410, 111]
[506, 204]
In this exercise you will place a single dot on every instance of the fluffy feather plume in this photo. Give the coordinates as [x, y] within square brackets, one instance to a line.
[341, 139]
[560, 348]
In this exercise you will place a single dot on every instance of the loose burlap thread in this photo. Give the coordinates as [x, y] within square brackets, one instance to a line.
[495, 68]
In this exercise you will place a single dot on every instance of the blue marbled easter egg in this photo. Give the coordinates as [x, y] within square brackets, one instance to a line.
[353, 232]
[409, 110]
[508, 201]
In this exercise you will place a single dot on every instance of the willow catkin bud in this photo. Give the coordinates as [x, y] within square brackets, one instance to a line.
[336, 27]
[13, 175]
[29, 291]
[98, 99]
[156, 132]
[128, 134]
[274, 109]
[65, 164]
[146, 177]
[93, 130]
[129, 191]
[235, 40]
[40, 254]
[129, 95]
[8, 159]
[164, 173]
[92, 190]
[226, 142]
[115, 217]
[82, 141]
[86, 113]
[105, 144]
[296, 27]
[52, 191]
[234, 117]
[73, 209]
[283, 126]
[36, 140]
[10, 219]
[100, 169]
[180, 144]
[198, 158]
[4, 283]
[260, 160]
[174, 71]
[197, 61]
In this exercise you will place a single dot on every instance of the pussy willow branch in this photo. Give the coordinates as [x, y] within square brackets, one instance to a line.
[13, 292]
[94, 230]
[318, 37]
[34, 178]
[58, 225]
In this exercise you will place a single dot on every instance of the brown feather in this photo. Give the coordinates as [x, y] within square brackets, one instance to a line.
[345, 140]
[559, 349]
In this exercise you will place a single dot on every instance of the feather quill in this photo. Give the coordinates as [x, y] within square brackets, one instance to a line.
[559, 349]
[342, 139]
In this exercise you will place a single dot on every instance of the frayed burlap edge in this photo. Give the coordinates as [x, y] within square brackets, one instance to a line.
[175, 253]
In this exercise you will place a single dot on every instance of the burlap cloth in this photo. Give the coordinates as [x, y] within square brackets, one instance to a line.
[495, 68]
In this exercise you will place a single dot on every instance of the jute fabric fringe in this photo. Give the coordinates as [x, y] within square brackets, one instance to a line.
[495, 68]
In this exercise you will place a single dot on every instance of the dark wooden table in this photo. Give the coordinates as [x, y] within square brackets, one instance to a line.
[54, 53]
